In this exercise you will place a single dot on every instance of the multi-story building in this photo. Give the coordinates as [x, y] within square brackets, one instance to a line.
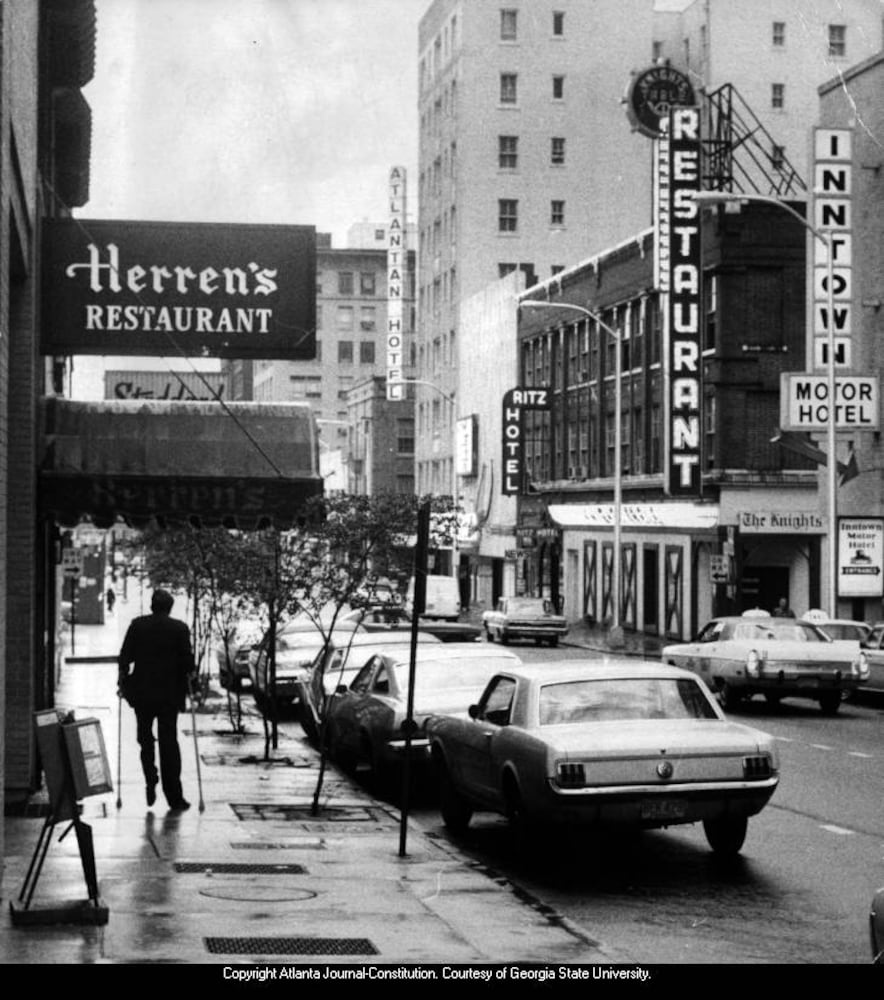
[380, 449]
[527, 160]
[518, 106]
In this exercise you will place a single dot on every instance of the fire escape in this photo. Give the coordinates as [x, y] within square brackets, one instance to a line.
[740, 154]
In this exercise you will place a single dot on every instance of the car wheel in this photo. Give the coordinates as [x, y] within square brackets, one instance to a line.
[554, 641]
[504, 639]
[773, 699]
[726, 836]
[456, 811]
[519, 822]
[830, 702]
[489, 635]
[380, 775]
[728, 697]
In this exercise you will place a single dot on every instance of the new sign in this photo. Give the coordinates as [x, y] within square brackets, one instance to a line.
[178, 289]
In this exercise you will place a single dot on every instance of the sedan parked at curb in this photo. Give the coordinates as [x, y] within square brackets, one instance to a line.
[527, 618]
[610, 744]
[368, 720]
[755, 653]
[873, 647]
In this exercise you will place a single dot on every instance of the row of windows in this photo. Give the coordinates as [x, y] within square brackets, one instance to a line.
[368, 283]
[509, 24]
[508, 151]
[508, 214]
[509, 88]
[836, 38]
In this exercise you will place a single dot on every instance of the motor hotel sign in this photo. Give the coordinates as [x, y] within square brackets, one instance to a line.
[860, 556]
[804, 402]
[178, 289]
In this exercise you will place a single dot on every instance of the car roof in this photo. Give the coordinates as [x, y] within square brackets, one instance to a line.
[607, 668]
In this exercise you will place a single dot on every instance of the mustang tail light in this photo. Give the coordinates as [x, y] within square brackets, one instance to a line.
[570, 774]
[860, 667]
[757, 766]
[754, 663]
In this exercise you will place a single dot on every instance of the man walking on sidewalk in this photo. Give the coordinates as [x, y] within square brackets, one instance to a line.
[160, 649]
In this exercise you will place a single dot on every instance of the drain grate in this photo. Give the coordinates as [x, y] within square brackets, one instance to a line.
[295, 811]
[190, 867]
[290, 946]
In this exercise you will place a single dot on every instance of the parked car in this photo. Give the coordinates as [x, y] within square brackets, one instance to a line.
[531, 618]
[873, 648]
[393, 618]
[338, 663]
[876, 927]
[367, 720]
[616, 744]
[297, 646]
[838, 628]
[442, 598]
[237, 676]
[755, 653]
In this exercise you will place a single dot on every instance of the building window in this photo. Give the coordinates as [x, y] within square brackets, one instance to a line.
[366, 352]
[777, 95]
[508, 151]
[778, 157]
[367, 283]
[558, 22]
[405, 436]
[779, 34]
[345, 317]
[556, 269]
[504, 269]
[507, 215]
[656, 51]
[558, 88]
[509, 25]
[345, 351]
[508, 88]
[837, 40]
[367, 319]
[345, 282]
[319, 316]
[557, 151]
[557, 213]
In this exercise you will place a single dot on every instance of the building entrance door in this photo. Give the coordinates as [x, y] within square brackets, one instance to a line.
[762, 586]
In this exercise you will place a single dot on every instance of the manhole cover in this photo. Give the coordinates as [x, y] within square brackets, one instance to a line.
[279, 845]
[258, 894]
[299, 812]
[290, 946]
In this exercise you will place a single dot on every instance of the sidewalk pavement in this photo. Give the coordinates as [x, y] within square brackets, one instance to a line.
[248, 875]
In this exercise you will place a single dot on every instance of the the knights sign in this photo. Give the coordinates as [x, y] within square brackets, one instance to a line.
[178, 289]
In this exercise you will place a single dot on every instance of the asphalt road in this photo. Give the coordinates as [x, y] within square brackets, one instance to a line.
[799, 893]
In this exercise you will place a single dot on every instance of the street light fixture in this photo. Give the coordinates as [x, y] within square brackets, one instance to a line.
[734, 198]
[615, 634]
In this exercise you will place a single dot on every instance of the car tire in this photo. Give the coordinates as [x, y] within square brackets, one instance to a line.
[455, 810]
[554, 641]
[830, 702]
[773, 699]
[504, 639]
[726, 836]
[728, 697]
[489, 635]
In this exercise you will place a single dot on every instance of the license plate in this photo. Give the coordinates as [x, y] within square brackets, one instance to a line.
[663, 809]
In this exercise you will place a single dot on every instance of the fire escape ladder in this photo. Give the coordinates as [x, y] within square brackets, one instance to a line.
[740, 154]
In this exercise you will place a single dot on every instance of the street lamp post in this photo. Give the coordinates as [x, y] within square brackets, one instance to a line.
[615, 633]
[734, 198]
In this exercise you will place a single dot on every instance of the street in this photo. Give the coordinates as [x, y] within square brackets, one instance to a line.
[799, 893]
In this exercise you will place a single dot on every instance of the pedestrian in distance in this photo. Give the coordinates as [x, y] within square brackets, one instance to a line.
[111, 598]
[782, 610]
[158, 648]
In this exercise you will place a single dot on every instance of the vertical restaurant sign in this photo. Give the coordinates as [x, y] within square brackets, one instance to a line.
[397, 261]
[685, 273]
[832, 185]
[515, 402]
[178, 289]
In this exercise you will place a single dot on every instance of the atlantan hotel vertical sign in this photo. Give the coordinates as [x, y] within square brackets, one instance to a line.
[397, 264]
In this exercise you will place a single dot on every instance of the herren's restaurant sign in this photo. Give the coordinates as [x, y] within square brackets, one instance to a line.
[185, 289]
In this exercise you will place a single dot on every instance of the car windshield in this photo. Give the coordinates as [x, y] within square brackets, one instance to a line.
[781, 630]
[622, 699]
[845, 631]
[528, 606]
[446, 675]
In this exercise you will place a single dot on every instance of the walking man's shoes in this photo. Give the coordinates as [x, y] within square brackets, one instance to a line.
[150, 792]
[179, 806]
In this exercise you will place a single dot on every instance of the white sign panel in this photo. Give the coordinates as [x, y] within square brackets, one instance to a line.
[397, 264]
[804, 402]
[860, 556]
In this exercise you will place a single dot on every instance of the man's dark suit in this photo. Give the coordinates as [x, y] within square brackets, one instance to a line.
[160, 648]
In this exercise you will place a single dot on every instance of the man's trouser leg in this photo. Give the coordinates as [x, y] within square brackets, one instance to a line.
[170, 754]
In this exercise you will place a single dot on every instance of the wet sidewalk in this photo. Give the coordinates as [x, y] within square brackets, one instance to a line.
[249, 875]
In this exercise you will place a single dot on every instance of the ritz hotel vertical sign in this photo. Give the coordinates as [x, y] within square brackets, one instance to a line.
[397, 274]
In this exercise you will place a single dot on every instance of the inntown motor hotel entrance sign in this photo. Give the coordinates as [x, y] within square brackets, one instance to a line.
[178, 289]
